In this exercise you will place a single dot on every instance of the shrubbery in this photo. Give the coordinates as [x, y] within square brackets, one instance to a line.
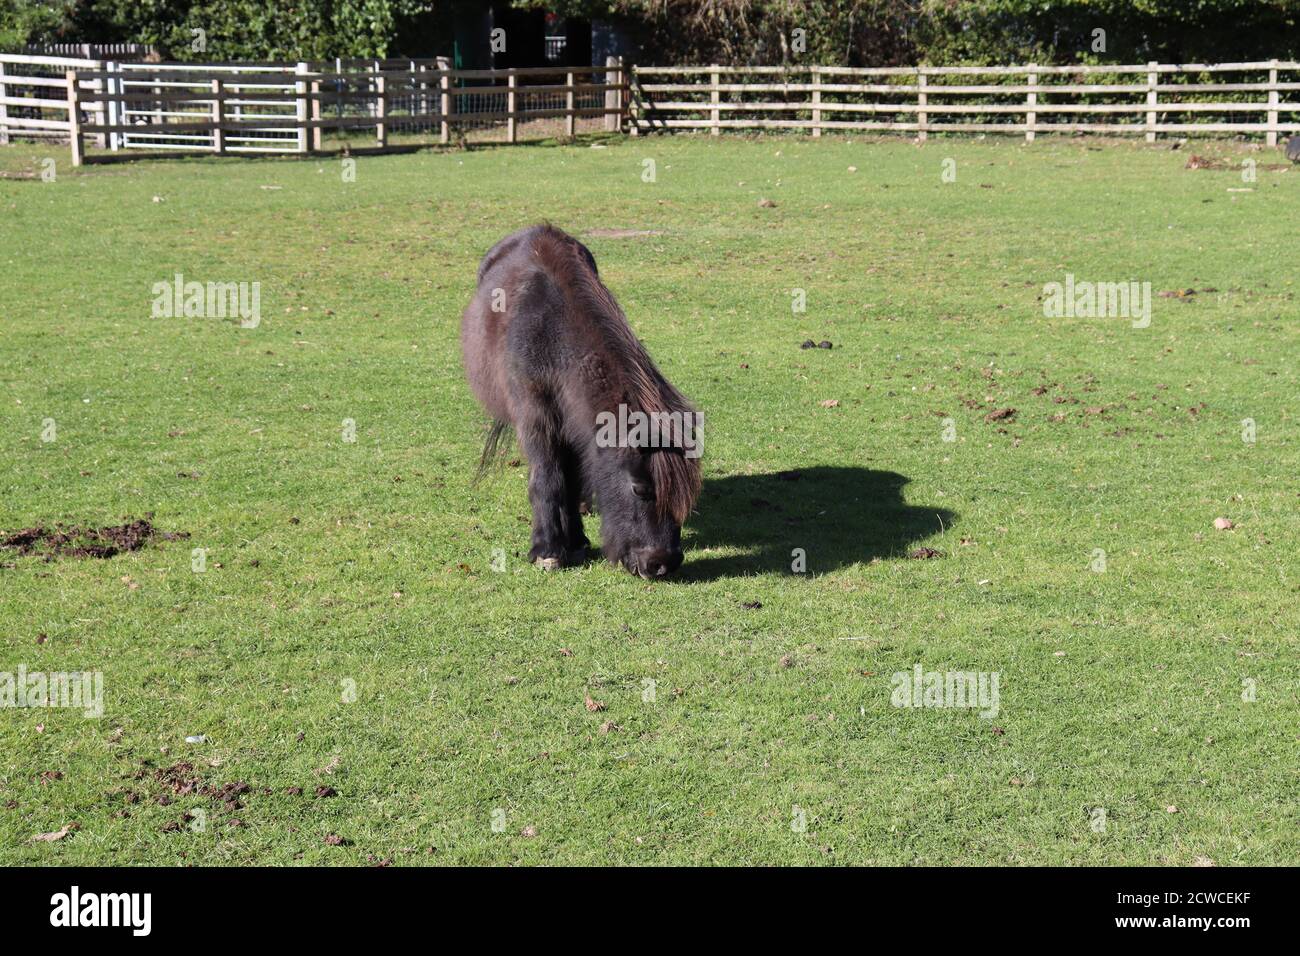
[850, 32]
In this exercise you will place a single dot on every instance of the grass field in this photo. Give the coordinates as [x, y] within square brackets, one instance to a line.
[350, 633]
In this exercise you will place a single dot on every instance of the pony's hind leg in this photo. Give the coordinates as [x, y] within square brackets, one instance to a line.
[554, 505]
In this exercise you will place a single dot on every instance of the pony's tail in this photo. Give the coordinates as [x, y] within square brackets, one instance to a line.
[498, 439]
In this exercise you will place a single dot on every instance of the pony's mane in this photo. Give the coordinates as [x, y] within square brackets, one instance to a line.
[676, 477]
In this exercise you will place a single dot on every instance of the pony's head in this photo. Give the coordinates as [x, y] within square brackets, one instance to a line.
[644, 495]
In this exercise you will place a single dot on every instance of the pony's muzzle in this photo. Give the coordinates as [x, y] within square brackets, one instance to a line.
[651, 563]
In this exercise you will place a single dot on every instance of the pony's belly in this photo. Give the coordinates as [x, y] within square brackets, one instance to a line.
[482, 338]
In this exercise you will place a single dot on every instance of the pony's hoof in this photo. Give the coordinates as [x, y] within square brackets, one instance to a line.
[549, 564]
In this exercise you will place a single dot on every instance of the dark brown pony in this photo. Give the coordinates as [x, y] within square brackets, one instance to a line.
[549, 352]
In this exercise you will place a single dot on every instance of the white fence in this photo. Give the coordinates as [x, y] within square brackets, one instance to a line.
[34, 94]
[286, 107]
[1243, 98]
[276, 108]
[93, 51]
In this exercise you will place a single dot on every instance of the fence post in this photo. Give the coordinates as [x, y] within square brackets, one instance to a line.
[512, 126]
[4, 110]
[1271, 135]
[317, 132]
[633, 107]
[100, 108]
[218, 117]
[381, 112]
[715, 97]
[922, 100]
[570, 124]
[1152, 78]
[1031, 100]
[300, 101]
[74, 121]
[340, 87]
[444, 105]
[116, 105]
[613, 98]
[817, 101]
[421, 96]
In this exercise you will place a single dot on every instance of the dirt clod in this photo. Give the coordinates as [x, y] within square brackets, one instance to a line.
[78, 541]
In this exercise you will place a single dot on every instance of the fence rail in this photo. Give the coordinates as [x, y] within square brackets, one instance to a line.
[277, 108]
[287, 107]
[1029, 99]
[115, 51]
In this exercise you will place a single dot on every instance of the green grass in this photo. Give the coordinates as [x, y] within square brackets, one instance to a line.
[369, 562]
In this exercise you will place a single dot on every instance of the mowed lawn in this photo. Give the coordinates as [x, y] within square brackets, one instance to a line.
[349, 636]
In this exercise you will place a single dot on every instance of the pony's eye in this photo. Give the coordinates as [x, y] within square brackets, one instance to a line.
[643, 490]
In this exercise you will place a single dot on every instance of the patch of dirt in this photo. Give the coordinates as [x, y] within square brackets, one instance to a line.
[1205, 162]
[925, 554]
[76, 541]
[182, 779]
[623, 233]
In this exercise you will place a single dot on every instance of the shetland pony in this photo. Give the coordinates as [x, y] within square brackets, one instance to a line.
[549, 352]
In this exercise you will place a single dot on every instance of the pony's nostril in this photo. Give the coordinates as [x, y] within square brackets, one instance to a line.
[655, 564]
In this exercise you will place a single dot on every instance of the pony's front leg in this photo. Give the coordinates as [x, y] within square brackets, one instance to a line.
[576, 543]
[551, 499]
[546, 495]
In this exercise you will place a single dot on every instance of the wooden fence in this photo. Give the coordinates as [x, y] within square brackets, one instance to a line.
[287, 107]
[94, 51]
[276, 108]
[1151, 99]
[34, 95]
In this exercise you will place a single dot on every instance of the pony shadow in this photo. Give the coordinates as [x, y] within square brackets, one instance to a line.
[838, 516]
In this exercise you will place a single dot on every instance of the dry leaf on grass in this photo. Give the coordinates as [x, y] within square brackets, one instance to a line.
[56, 835]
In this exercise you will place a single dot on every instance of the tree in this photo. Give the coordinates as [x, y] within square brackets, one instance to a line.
[29, 21]
[231, 30]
